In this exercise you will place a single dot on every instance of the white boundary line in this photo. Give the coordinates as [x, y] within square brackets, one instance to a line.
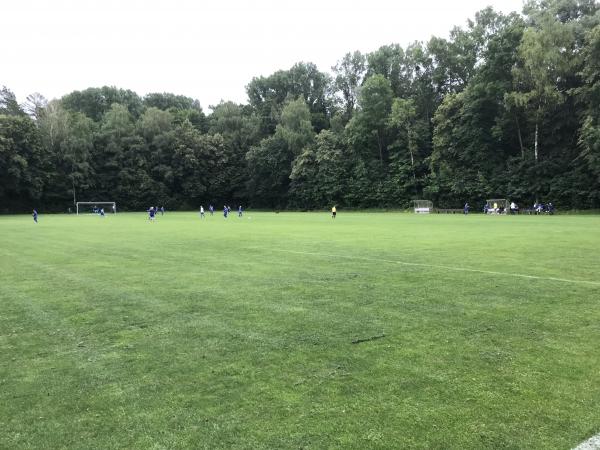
[435, 266]
[592, 443]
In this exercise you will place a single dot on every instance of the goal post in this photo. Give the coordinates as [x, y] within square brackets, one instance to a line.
[110, 207]
[423, 206]
[497, 206]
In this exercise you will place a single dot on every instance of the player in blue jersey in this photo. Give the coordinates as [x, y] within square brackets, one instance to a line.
[151, 214]
[225, 211]
[211, 209]
[240, 211]
[35, 214]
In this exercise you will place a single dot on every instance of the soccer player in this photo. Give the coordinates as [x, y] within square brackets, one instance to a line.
[35, 214]
[201, 212]
[162, 210]
[114, 208]
[333, 212]
[225, 211]
[211, 209]
[466, 208]
[151, 214]
[540, 208]
[101, 212]
[240, 211]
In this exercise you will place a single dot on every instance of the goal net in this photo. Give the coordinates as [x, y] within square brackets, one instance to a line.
[497, 206]
[423, 206]
[96, 207]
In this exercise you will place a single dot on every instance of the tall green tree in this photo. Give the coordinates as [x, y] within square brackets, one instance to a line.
[270, 162]
[34, 105]
[268, 95]
[390, 62]
[349, 74]
[8, 103]
[116, 136]
[318, 177]
[549, 57]
[68, 138]
[23, 163]
[295, 127]
[95, 102]
[269, 168]
[370, 122]
[589, 95]
[182, 108]
[239, 128]
[403, 118]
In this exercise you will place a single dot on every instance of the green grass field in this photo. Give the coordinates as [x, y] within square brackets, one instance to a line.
[238, 333]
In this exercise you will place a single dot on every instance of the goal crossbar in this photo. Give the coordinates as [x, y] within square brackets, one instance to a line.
[113, 205]
[423, 206]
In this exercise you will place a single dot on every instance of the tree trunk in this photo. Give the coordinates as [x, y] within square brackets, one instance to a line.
[536, 141]
[535, 144]
[412, 159]
[520, 138]
[73, 184]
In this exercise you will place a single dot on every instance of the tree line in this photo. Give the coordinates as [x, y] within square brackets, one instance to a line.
[507, 107]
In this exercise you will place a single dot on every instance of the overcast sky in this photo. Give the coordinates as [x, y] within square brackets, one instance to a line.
[205, 50]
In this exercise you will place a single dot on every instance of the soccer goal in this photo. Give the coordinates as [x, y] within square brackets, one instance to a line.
[497, 206]
[94, 207]
[423, 206]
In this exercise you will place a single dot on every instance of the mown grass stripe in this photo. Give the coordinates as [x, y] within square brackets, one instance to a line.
[441, 267]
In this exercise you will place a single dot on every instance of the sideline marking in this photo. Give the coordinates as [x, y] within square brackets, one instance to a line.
[435, 266]
[592, 443]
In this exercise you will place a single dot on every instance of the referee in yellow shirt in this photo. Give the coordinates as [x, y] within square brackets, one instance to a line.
[333, 212]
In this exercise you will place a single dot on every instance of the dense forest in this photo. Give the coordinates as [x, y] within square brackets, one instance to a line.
[508, 107]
